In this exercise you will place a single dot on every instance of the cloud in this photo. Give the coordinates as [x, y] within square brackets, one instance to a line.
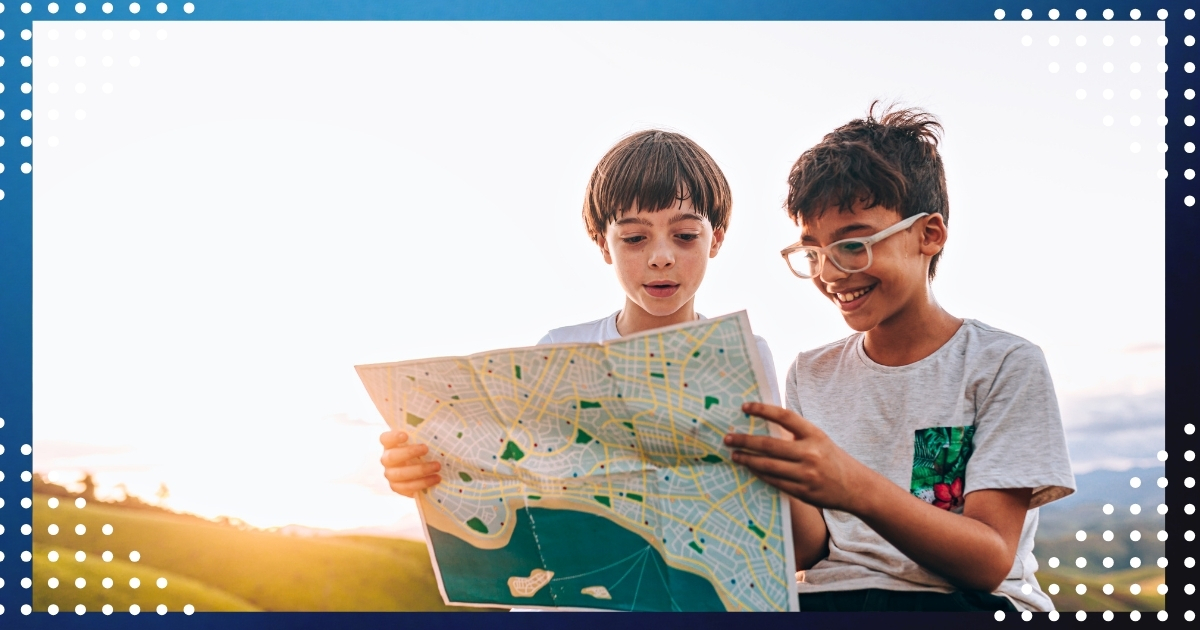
[1115, 432]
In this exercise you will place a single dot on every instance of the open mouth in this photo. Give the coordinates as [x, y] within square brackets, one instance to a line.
[661, 289]
[849, 297]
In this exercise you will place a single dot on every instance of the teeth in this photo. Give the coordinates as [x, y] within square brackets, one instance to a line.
[850, 297]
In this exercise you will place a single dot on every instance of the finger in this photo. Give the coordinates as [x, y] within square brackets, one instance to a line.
[787, 486]
[763, 444]
[790, 420]
[411, 488]
[412, 472]
[397, 456]
[392, 439]
[766, 465]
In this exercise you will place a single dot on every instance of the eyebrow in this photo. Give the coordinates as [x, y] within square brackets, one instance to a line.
[682, 216]
[840, 232]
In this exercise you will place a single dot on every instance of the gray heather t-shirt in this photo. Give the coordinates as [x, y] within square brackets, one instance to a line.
[978, 413]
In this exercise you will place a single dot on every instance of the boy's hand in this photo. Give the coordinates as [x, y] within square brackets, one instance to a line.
[811, 467]
[403, 467]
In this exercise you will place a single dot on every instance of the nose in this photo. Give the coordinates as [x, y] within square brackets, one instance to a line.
[829, 272]
[661, 255]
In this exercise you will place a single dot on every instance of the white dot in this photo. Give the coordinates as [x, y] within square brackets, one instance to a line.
[26, 141]
[1053, 14]
[1081, 615]
[1081, 94]
[1027, 41]
[1108, 535]
[1189, 67]
[52, 502]
[1162, 40]
[52, 609]
[135, 34]
[80, 114]
[162, 608]
[25, 474]
[52, 556]
[1162, 148]
[1108, 94]
[108, 609]
[80, 502]
[1135, 121]
[1108, 615]
[80, 529]
[25, 114]
[134, 582]
[1053, 589]
[1081, 67]
[107, 556]
[999, 615]
[1135, 509]
[107, 87]
[1135, 41]
[135, 7]
[26, 530]
[26, 7]
[1054, 613]
[53, 529]
[1135, 535]
[1162, 563]
[1135, 14]
[134, 556]
[1053, 562]
[1053, 66]
[1108, 14]
[1189, 589]
[1081, 41]
[26, 34]
[134, 609]
[107, 529]
[1081, 535]
[80, 582]
[1108, 589]
[1162, 121]
[1189, 41]
[1189, 94]
[1162, 482]
[1026, 14]
[107, 583]
[1108, 121]
[1026, 589]
[1188, 120]
[1135, 562]
[80, 556]
[162, 7]
[106, 7]
[80, 88]
[188, 609]
[1054, 40]
[1135, 588]
[1134, 615]
[1080, 562]
[1189, 562]
[1162, 535]
[1189, 536]
[1108, 561]
[1189, 201]
[26, 502]
[1189, 14]
[1108, 40]
[107, 34]
[999, 14]
[135, 62]
[1189, 616]
[1189, 428]
[52, 88]
[107, 61]
[52, 582]
[1162, 508]
[1080, 14]
[1189, 509]
[28, 583]
[161, 582]
[52, 7]
[1162, 14]
[1135, 147]
[161, 34]
[1134, 482]
[1081, 589]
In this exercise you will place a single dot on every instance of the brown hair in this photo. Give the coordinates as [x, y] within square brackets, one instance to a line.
[655, 169]
[891, 161]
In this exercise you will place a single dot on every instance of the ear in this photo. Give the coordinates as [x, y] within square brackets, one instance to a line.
[602, 241]
[934, 235]
[717, 239]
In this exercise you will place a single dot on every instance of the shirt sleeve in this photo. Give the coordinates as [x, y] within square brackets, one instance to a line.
[545, 340]
[768, 361]
[1019, 440]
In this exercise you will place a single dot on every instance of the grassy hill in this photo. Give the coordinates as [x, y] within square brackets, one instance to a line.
[218, 567]
[1094, 599]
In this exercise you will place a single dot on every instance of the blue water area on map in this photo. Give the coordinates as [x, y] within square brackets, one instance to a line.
[582, 550]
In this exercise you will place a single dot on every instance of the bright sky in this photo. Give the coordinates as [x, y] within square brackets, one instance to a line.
[255, 208]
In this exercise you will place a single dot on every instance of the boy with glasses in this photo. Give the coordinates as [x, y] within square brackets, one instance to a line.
[925, 442]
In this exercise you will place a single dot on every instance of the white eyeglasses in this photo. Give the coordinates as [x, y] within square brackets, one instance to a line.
[851, 255]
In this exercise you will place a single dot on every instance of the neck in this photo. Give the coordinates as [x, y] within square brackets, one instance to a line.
[634, 319]
[913, 333]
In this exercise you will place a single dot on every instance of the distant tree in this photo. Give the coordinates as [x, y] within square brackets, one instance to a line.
[89, 487]
[42, 485]
[163, 493]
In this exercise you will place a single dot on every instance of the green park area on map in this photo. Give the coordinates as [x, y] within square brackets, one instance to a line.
[594, 475]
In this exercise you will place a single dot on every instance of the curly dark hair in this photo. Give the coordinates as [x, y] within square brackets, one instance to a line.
[890, 161]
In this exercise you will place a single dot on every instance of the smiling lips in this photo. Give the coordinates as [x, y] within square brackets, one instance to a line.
[661, 288]
[850, 300]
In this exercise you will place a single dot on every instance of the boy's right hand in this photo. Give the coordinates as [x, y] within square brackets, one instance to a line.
[403, 467]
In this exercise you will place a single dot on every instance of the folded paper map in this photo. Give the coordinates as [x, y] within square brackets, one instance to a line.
[594, 475]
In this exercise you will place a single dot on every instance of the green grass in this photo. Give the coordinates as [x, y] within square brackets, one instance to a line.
[218, 567]
[1094, 599]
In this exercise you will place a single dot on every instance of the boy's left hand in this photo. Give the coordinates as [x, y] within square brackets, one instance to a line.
[811, 467]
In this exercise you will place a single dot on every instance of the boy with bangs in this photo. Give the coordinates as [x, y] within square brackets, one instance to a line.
[657, 206]
[926, 442]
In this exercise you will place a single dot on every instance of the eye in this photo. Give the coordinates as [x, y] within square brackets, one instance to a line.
[633, 240]
[687, 238]
[852, 247]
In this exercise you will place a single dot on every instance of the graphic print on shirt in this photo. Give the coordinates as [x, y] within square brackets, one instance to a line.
[940, 456]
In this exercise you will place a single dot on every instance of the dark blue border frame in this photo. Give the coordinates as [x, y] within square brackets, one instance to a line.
[16, 352]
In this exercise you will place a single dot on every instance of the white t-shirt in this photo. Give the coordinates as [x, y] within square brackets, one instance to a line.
[978, 413]
[605, 329]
